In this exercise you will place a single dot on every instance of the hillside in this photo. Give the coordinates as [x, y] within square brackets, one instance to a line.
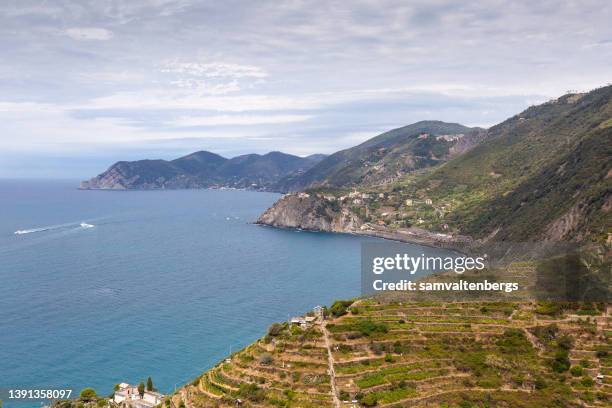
[387, 156]
[393, 353]
[201, 170]
[545, 173]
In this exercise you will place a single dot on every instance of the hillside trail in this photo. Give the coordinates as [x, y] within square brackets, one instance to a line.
[330, 362]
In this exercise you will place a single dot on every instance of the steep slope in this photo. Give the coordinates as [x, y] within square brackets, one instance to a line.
[549, 165]
[543, 174]
[201, 170]
[402, 353]
[388, 156]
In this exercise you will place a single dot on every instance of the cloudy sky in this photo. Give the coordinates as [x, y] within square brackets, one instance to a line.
[86, 83]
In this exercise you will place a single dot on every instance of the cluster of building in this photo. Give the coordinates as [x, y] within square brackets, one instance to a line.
[128, 395]
[309, 319]
[382, 213]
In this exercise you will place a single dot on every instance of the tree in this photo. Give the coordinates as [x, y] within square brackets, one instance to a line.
[275, 329]
[150, 384]
[369, 400]
[88, 394]
[141, 389]
[339, 307]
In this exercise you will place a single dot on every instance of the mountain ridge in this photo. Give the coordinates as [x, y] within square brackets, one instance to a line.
[201, 169]
[387, 156]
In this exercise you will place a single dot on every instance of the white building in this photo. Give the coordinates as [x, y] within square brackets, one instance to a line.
[128, 394]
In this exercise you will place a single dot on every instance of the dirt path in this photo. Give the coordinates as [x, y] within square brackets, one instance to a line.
[330, 359]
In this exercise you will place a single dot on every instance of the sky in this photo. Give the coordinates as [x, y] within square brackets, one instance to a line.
[86, 83]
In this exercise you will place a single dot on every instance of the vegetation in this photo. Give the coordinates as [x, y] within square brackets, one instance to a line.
[405, 149]
[521, 183]
[389, 353]
[340, 307]
[88, 394]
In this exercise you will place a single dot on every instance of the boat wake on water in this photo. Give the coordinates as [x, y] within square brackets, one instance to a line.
[53, 227]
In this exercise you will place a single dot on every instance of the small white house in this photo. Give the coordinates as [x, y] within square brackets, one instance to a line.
[128, 394]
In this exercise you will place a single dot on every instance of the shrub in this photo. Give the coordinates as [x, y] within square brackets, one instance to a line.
[369, 400]
[587, 382]
[561, 362]
[368, 327]
[343, 395]
[546, 333]
[576, 371]
[514, 341]
[565, 342]
[275, 329]
[251, 392]
[88, 394]
[290, 394]
[389, 358]
[339, 307]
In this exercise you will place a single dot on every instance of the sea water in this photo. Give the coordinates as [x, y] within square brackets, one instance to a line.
[103, 287]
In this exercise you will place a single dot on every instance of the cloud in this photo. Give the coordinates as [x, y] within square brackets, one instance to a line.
[215, 70]
[89, 33]
[214, 78]
[238, 120]
[305, 77]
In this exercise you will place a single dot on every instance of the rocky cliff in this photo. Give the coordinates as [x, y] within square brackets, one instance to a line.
[317, 212]
[306, 211]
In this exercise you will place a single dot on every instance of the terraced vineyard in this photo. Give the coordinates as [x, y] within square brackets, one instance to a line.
[395, 354]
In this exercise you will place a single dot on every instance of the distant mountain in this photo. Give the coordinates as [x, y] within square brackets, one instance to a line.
[202, 170]
[544, 174]
[388, 156]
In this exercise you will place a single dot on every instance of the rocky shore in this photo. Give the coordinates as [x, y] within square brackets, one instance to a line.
[310, 212]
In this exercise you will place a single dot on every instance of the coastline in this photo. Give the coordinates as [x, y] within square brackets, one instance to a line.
[424, 238]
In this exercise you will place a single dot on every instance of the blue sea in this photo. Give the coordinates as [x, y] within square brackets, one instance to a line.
[158, 283]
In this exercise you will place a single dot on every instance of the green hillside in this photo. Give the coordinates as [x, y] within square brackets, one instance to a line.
[387, 156]
[542, 173]
[420, 354]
